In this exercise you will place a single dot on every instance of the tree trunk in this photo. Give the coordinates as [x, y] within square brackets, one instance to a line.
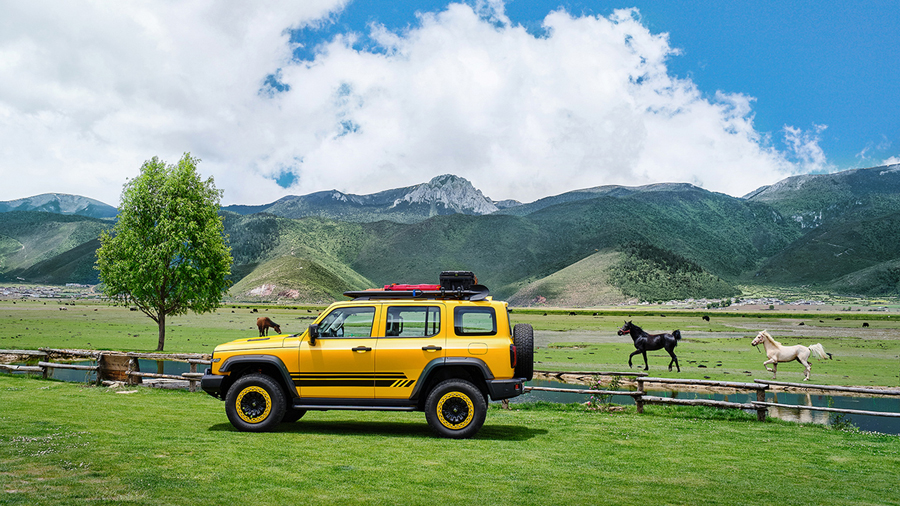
[162, 332]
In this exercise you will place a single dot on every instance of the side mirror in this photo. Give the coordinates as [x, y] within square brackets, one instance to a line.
[313, 334]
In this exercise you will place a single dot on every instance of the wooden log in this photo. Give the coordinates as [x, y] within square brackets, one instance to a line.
[861, 390]
[76, 353]
[709, 383]
[761, 411]
[696, 402]
[156, 375]
[192, 386]
[639, 401]
[113, 367]
[23, 352]
[53, 365]
[133, 366]
[584, 391]
[831, 410]
[591, 373]
[24, 368]
[170, 356]
[199, 361]
[197, 375]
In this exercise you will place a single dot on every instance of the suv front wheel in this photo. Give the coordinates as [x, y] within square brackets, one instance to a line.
[255, 403]
[455, 408]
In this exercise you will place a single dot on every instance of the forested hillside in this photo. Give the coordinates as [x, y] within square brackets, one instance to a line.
[587, 247]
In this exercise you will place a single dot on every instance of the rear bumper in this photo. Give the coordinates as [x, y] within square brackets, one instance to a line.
[505, 389]
[212, 384]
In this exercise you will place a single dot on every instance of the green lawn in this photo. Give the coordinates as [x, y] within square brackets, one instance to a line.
[63, 443]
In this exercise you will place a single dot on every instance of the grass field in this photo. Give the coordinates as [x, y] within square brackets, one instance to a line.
[61, 443]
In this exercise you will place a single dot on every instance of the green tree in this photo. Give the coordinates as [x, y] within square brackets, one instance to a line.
[167, 253]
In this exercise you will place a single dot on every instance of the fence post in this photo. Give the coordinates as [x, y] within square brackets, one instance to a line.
[132, 363]
[193, 382]
[639, 399]
[761, 411]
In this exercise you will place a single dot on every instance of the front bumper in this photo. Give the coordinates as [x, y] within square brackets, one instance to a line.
[505, 389]
[212, 383]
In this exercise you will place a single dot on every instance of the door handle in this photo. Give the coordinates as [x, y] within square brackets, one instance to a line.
[432, 348]
[362, 349]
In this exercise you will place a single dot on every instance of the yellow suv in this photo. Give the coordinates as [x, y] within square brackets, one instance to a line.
[442, 349]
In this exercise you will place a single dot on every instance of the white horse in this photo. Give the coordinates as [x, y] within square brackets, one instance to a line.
[776, 352]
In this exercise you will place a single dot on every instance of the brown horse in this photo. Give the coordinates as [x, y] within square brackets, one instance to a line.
[263, 323]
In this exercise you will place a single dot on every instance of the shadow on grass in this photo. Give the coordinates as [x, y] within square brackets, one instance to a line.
[392, 429]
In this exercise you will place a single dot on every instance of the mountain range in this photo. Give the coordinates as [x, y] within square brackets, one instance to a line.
[442, 195]
[592, 246]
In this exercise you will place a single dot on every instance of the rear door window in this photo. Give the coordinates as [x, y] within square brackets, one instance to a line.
[413, 321]
[475, 321]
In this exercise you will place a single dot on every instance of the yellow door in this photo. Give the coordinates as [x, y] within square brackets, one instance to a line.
[414, 335]
[341, 364]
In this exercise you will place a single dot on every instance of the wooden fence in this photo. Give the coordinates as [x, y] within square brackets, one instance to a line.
[830, 388]
[109, 365]
[759, 386]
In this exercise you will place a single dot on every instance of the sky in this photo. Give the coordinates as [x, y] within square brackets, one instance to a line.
[525, 99]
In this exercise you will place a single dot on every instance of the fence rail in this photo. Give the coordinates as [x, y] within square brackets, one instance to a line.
[759, 386]
[109, 365]
[105, 370]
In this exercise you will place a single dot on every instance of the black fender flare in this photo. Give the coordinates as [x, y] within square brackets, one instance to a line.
[285, 378]
[438, 363]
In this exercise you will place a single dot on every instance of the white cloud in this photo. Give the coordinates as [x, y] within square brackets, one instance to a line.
[804, 148]
[894, 160]
[88, 92]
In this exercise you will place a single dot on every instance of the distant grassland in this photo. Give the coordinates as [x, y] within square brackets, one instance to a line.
[719, 349]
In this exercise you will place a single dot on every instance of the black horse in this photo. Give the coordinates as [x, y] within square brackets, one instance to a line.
[645, 342]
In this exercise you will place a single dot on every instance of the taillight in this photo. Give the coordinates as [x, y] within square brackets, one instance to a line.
[512, 356]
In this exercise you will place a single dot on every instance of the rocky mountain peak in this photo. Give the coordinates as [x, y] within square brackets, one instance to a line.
[453, 192]
[60, 203]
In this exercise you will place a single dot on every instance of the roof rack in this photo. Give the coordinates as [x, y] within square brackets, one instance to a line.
[476, 292]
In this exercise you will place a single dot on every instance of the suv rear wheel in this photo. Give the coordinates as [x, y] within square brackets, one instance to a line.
[455, 408]
[255, 403]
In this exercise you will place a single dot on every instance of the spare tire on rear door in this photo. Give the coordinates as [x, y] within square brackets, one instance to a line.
[523, 338]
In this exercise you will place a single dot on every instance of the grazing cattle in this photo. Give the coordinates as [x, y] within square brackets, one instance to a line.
[705, 318]
[263, 323]
[865, 324]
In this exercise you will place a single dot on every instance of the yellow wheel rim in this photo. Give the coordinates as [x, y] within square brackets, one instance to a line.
[455, 410]
[253, 404]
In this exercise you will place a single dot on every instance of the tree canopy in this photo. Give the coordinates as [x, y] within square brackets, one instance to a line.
[168, 253]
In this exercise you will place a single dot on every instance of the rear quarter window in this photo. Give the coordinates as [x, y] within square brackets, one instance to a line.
[475, 321]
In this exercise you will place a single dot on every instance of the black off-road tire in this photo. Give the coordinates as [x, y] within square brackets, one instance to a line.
[292, 415]
[455, 409]
[255, 403]
[523, 338]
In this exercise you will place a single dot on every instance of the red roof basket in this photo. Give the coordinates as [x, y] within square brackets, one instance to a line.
[454, 285]
[395, 287]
